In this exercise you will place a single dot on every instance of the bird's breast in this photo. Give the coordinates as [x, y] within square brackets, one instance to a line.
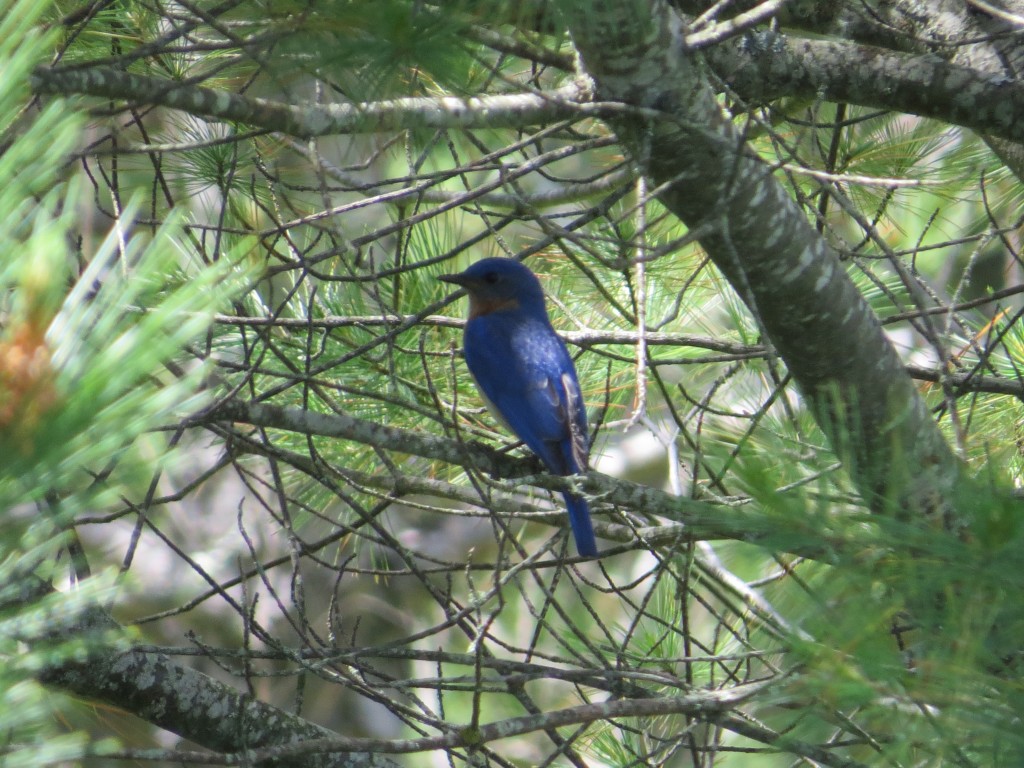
[478, 306]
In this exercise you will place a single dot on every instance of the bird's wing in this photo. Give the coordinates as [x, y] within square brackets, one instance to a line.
[575, 414]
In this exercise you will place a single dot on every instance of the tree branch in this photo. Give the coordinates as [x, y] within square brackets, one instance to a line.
[701, 704]
[702, 521]
[308, 120]
[950, 30]
[779, 265]
[766, 65]
[760, 66]
[962, 381]
[186, 702]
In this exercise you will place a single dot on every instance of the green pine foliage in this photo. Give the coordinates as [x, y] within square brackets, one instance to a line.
[84, 382]
[303, 274]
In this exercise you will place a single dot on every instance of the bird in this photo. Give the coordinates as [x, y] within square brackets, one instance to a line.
[525, 375]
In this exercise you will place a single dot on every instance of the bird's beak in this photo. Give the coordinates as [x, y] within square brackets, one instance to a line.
[459, 279]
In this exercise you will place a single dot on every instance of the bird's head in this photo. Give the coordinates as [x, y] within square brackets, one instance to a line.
[496, 285]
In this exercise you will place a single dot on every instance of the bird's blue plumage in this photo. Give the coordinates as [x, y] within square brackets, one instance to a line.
[525, 373]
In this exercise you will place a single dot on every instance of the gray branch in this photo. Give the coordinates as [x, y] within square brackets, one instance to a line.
[183, 701]
[766, 65]
[759, 66]
[702, 521]
[960, 381]
[701, 704]
[760, 239]
[949, 30]
[307, 120]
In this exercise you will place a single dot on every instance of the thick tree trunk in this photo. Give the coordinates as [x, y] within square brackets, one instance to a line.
[760, 239]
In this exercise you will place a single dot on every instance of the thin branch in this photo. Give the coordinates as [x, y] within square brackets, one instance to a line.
[703, 520]
[723, 30]
[700, 704]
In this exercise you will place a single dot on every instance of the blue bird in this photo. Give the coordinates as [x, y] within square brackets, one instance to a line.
[525, 374]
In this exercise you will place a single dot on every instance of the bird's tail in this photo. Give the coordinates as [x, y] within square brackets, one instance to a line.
[582, 528]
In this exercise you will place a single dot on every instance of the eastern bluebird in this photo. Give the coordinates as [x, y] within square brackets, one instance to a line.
[525, 374]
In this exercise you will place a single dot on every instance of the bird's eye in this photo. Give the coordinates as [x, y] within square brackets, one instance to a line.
[491, 278]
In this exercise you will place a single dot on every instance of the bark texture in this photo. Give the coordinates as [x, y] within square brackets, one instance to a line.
[760, 239]
[196, 707]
